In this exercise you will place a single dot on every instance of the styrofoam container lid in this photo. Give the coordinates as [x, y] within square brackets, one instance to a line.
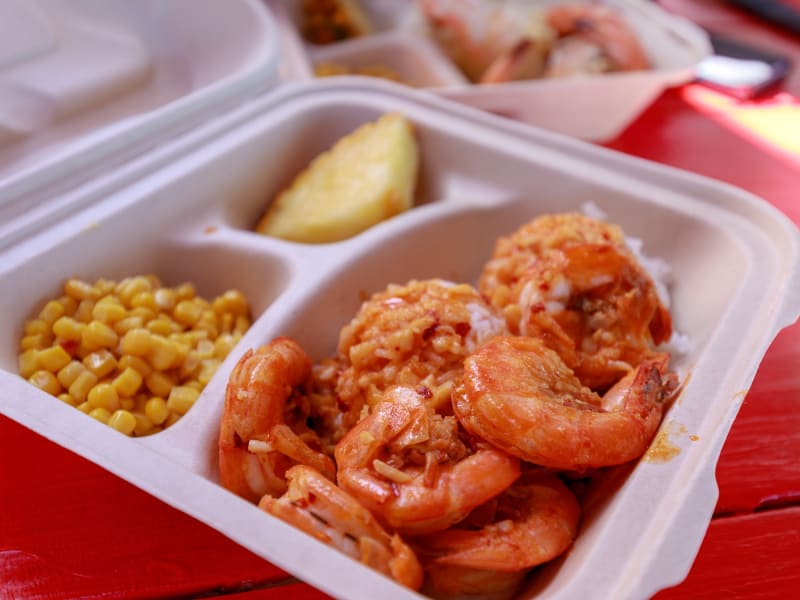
[590, 107]
[86, 85]
[187, 212]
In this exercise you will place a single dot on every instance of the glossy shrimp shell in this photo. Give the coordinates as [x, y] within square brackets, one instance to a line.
[519, 395]
[256, 445]
[410, 498]
[313, 504]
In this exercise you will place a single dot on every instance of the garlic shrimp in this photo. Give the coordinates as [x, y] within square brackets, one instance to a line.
[414, 469]
[256, 443]
[520, 396]
[313, 504]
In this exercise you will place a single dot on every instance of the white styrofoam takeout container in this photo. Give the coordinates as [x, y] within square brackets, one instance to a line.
[186, 212]
[86, 85]
[592, 107]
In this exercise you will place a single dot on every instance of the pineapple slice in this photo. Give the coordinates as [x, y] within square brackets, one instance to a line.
[368, 176]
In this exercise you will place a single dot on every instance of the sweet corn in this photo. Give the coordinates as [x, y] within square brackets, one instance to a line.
[79, 290]
[164, 353]
[185, 291]
[143, 424]
[160, 326]
[156, 410]
[84, 407]
[53, 358]
[51, 311]
[70, 304]
[98, 335]
[68, 328]
[137, 342]
[127, 403]
[28, 362]
[135, 362]
[101, 414]
[181, 399]
[84, 382]
[123, 326]
[187, 312]
[166, 299]
[100, 362]
[133, 287]
[123, 421]
[34, 326]
[67, 375]
[145, 300]
[37, 341]
[84, 311]
[67, 399]
[46, 381]
[108, 311]
[172, 419]
[159, 383]
[103, 395]
[127, 383]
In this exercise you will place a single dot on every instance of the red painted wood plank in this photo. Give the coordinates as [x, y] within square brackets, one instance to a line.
[751, 556]
[69, 529]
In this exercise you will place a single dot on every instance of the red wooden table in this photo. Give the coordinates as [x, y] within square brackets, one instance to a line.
[69, 529]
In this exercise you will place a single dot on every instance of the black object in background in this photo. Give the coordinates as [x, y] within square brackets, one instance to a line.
[741, 70]
[772, 11]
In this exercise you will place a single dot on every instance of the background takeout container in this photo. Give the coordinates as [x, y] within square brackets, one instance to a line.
[595, 108]
[180, 201]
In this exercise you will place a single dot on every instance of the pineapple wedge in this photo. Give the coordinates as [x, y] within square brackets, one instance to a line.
[367, 176]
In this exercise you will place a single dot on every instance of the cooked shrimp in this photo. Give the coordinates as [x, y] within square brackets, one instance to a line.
[519, 395]
[490, 42]
[315, 505]
[534, 521]
[256, 445]
[411, 468]
[416, 334]
[583, 292]
[592, 39]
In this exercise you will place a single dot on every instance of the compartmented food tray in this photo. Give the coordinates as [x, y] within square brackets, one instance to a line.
[191, 217]
[591, 106]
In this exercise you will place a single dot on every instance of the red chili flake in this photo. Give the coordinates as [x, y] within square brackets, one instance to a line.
[425, 392]
[428, 332]
[462, 329]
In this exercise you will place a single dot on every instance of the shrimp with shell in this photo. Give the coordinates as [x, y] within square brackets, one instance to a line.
[314, 504]
[263, 430]
[518, 395]
[415, 469]
[532, 522]
[571, 281]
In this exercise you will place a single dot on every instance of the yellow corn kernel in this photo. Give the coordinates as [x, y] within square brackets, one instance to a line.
[165, 298]
[127, 383]
[123, 326]
[187, 312]
[68, 328]
[143, 424]
[160, 326]
[145, 300]
[37, 341]
[156, 410]
[208, 327]
[226, 322]
[204, 349]
[84, 382]
[123, 421]
[70, 304]
[194, 384]
[160, 384]
[98, 335]
[67, 375]
[28, 362]
[190, 365]
[67, 399]
[103, 395]
[51, 311]
[135, 362]
[46, 381]
[172, 419]
[181, 399]
[100, 414]
[108, 311]
[54, 358]
[132, 287]
[84, 407]
[100, 362]
[34, 326]
[137, 342]
[185, 291]
[236, 303]
[127, 404]
[242, 325]
[104, 287]
[145, 313]
[224, 344]
[84, 311]
[166, 354]
[79, 290]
